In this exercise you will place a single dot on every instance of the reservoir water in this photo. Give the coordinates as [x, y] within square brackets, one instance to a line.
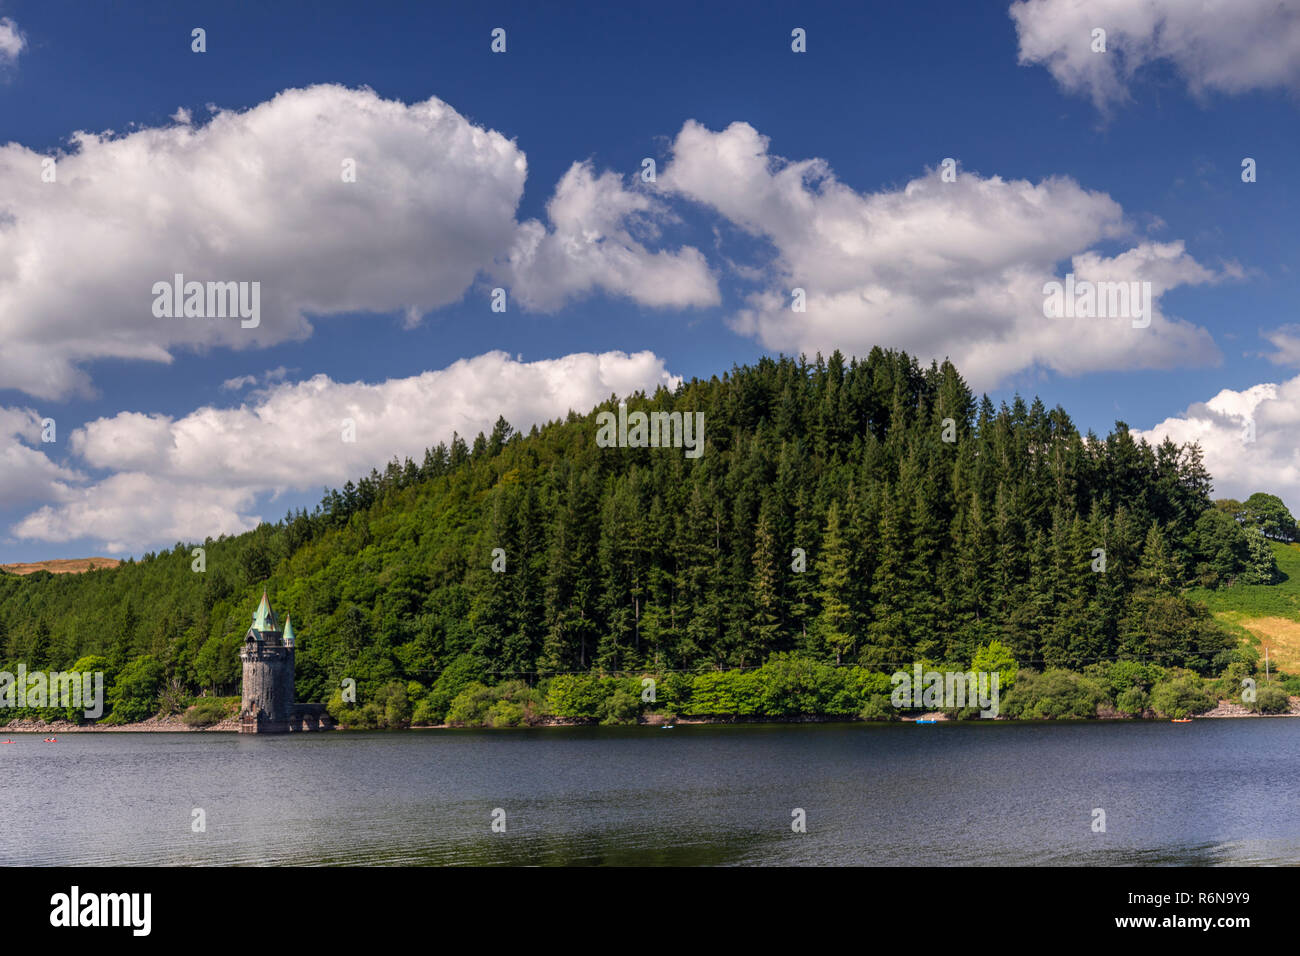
[1209, 792]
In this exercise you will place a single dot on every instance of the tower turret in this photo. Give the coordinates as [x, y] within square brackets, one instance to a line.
[268, 704]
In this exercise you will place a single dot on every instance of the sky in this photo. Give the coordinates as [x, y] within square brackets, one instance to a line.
[922, 172]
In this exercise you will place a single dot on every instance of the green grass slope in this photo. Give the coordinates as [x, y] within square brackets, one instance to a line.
[1264, 615]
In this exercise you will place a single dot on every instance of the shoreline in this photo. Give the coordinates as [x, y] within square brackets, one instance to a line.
[1223, 710]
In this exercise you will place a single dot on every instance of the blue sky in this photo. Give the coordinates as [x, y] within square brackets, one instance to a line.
[1062, 152]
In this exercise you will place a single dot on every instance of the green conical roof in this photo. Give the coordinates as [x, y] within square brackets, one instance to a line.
[264, 619]
[288, 630]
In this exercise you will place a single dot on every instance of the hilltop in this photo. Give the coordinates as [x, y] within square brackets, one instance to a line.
[61, 565]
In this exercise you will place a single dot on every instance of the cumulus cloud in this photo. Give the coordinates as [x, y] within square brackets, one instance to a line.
[251, 196]
[202, 474]
[27, 474]
[261, 196]
[591, 244]
[12, 42]
[1248, 438]
[1227, 46]
[952, 269]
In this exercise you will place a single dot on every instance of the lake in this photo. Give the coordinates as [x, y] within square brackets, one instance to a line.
[1209, 792]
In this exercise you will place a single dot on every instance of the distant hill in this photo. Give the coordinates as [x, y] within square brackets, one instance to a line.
[61, 565]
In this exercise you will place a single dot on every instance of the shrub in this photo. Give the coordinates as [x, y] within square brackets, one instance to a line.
[620, 708]
[877, 707]
[506, 705]
[1290, 684]
[674, 691]
[382, 708]
[792, 685]
[727, 693]
[1230, 683]
[577, 695]
[210, 710]
[466, 669]
[1134, 701]
[1181, 696]
[1053, 694]
[1271, 699]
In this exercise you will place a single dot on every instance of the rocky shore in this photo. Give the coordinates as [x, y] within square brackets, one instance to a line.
[172, 724]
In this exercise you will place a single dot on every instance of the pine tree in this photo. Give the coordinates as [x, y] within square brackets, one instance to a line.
[835, 622]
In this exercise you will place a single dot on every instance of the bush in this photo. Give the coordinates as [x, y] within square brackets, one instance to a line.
[207, 711]
[727, 693]
[673, 691]
[1271, 699]
[1116, 677]
[1134, 701]
[466, 669]
[1181, 696]
[621, 708]
[384, 708]
[877, 707]
[578, 695]
[507, 705]
[1053, 694]
[1231, 682]
[793, 685]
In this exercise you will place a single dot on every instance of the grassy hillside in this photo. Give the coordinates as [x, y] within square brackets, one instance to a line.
[1264, 615]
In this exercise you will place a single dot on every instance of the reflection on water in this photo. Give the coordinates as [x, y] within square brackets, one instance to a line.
[1211, 792]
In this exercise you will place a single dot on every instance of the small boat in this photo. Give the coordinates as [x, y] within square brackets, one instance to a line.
[1182, 720]
[668, 726]
[919, 721]
[51, 740]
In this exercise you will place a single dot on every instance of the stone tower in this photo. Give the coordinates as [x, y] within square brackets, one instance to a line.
[268, 706]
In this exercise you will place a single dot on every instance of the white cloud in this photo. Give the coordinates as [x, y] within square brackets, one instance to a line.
[1270, 463]
[187, 478]
[1227, 46]
[240, 382]
[12, 42]
[1286, 339]
[951, 269]
[591, 245]
[252, 196]
[260, 196]
[26, 473]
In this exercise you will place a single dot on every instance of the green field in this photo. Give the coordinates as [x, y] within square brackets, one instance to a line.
[1264, 615]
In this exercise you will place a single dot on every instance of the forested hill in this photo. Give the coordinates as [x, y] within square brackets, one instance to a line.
[920, 538]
